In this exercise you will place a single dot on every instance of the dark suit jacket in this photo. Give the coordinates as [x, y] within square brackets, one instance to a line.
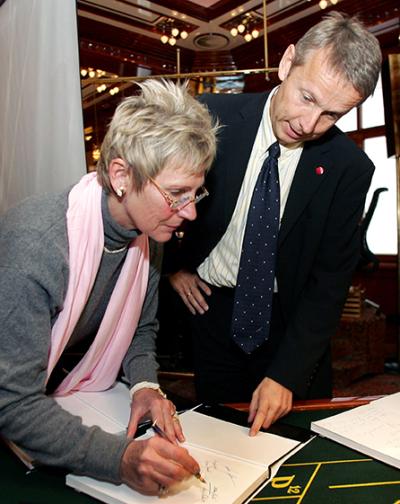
[318, 239]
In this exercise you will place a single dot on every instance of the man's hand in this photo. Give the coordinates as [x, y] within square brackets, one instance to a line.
[150, 465]
[270, 401]
[149, 404]
[191, 289]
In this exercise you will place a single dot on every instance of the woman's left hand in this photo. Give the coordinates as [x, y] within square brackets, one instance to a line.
[149, 404]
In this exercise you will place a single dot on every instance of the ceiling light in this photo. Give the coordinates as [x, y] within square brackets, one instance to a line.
[96, 154]
[247, 26]
[171, 31]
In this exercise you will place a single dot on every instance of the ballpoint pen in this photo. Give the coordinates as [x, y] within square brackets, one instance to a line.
[161, 433]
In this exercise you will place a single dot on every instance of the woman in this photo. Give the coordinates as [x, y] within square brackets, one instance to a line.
[79, 273]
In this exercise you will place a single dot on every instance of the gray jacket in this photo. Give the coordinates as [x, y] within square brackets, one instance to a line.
[33, 283]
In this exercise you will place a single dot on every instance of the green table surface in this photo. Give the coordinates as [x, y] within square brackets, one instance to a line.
[323, 472]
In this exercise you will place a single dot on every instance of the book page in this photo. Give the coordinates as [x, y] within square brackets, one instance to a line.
[219, 436]
[109, 409]
[228, 481]
[373, 429]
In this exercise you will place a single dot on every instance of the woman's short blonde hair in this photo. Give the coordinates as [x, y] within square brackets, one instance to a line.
[164, 124]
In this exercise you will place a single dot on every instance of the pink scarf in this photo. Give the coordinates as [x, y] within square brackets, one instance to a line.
[99, 367]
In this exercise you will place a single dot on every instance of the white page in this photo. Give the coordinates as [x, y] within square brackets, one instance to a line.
[373, 428]
[109, 409]
[204, 431]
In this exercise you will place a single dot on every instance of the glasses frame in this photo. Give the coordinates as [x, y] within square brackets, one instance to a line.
[180, 204]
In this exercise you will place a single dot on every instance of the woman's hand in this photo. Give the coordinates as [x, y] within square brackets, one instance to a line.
[152, 466]
[149, 404]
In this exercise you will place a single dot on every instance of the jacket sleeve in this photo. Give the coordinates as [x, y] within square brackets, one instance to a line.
[34, 421]
[32, 288]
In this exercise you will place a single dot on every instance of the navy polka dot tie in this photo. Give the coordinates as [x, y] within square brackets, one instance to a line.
[255, 282]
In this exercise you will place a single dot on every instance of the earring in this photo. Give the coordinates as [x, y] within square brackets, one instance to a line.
[120, 191]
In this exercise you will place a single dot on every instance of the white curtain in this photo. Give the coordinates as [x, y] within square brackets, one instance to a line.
[41, 126]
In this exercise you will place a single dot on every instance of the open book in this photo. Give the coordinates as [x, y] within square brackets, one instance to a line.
[372, 429]
[109, 409]
[233, 464]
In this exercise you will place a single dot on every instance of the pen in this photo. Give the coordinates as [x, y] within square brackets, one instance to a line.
[161, 433]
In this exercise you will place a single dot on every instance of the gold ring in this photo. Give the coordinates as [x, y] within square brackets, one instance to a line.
[162, 490]
[174, 415]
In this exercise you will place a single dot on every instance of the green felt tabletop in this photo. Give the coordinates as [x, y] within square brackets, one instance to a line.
[323, 472]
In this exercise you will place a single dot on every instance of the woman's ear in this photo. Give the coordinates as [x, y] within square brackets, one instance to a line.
[286, 62]
[119, 174]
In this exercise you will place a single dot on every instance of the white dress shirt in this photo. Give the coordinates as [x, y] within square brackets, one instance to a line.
[220, 268]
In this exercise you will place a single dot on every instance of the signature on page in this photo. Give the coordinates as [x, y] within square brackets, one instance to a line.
[222, 482]
[217, 475]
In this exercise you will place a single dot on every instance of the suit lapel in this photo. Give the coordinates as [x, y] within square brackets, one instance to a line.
[241, 134]
[313, 169]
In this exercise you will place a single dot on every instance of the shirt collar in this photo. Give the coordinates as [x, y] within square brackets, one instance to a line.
[268, 133]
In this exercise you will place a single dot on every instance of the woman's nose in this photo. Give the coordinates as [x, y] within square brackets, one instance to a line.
[189, 212]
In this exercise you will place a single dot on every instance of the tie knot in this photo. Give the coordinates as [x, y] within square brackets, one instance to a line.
[274, 150]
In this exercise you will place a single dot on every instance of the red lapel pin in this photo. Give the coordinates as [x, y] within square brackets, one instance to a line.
[319, 170]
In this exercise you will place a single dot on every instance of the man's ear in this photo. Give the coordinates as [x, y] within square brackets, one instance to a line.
[119, 174]
[286, 62]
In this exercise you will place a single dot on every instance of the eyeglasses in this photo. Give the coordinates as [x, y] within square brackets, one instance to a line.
[182, 202]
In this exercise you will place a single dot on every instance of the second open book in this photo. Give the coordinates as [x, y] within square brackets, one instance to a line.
[373, 429]
[233, 464]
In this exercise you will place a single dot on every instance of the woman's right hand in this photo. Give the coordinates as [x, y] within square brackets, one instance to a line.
[152, 465]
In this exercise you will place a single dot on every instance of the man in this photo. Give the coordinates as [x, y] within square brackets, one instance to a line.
[323, 180]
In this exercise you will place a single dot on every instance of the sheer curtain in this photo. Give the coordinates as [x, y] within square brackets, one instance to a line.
[41, 125]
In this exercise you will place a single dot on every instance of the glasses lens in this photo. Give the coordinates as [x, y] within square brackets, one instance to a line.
[184, 201]
[181, 202]
[201, 193]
